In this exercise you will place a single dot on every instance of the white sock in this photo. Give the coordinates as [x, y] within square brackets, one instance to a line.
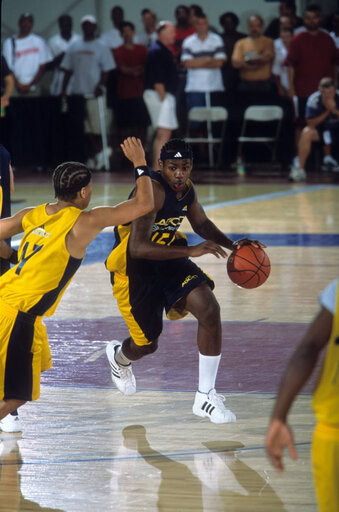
[120, 358]
[296, 161]
[208, 369]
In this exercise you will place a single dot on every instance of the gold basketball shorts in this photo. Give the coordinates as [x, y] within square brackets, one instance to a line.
[24, 354]
[325, 459]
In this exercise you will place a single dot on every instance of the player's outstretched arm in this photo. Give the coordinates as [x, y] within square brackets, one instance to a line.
[11, 226]
[298, 371]
[92, 222]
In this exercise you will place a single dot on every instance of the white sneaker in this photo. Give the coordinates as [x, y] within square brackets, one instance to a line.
[100, 159]
[297, 174]
[330, 164]
[122, 376]
[10, 424]
[212, 406]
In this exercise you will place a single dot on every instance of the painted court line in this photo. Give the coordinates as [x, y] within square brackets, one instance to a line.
[272, 195]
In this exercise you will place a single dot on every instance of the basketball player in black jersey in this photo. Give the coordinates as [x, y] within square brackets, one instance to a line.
[151, 272]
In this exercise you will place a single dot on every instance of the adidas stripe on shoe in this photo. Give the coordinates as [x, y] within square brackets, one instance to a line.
[210, 405]
[122, 376]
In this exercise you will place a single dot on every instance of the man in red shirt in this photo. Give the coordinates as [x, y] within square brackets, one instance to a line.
[130, 58]
[312, 55]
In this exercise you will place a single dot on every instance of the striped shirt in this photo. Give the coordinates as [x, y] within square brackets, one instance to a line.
[203, 79]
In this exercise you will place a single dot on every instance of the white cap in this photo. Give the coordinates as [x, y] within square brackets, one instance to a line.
[90, 18]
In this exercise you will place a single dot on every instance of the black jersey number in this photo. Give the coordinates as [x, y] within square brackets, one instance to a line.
[24, 258]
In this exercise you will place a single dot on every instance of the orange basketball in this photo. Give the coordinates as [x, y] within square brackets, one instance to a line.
[248, 266]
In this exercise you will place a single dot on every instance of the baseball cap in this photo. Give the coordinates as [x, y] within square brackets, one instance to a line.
[90, 18]
[26, 15]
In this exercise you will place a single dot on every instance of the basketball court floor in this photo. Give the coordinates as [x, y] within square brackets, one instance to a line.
[87, 448]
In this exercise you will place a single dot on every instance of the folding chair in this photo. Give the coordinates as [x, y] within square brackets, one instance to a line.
[209, 115]
[261, 114]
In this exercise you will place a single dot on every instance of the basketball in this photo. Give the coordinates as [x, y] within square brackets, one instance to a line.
[248, 266]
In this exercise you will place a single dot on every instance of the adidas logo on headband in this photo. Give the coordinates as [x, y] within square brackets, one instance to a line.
[178, 155]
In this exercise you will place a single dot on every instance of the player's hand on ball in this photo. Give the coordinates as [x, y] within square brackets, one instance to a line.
[134, 151]
[207, 247]
[247, 241]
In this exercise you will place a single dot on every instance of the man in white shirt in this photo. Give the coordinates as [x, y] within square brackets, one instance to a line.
[203, 55]
[27, 55]
[149, 35]
[88, 60]
[59, 44]
[279, 69]
[112, 38]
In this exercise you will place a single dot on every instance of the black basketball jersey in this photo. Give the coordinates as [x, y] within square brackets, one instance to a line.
[164, 232]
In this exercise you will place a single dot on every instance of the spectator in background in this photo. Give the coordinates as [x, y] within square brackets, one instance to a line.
[27, 55]
[59, 44]
[89, 61]
[194, 10]
[322, 117]
[149, 35]
[112, 38]
[311, 56]
[229, 22]
[27, 131]
[203, 56]
[183, 28]
[335, 28]
[130, 58]
[160, 87]
[286, 8]
[253, 56]
[7, 85]
[280, 70]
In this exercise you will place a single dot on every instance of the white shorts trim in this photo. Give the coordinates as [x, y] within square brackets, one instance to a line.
[162, 113]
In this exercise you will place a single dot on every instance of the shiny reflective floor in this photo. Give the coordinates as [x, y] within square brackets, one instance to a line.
[85, 447]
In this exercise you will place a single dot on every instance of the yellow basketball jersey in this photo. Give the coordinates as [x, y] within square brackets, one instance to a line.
[36, 284]
[326, 396]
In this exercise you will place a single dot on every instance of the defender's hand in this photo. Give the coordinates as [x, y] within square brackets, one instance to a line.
[134, 151]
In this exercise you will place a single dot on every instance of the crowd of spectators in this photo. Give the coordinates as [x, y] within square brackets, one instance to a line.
[150, 80]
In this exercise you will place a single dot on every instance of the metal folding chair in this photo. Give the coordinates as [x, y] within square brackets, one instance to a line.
[261, 114]
[209, 115]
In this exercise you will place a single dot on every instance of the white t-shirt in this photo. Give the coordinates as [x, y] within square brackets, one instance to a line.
[25, 56]
[203, 79]
[327, 297]
[59, 45]
[87, 60]
[278, 65]
[112, 38]
[146, 39]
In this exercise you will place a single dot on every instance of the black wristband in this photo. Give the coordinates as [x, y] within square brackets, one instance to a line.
[141, 170]
[14, 257]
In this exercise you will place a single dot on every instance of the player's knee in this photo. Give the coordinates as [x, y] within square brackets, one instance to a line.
[210, 315]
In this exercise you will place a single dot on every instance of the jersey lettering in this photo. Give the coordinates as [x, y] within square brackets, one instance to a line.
[24, 258]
